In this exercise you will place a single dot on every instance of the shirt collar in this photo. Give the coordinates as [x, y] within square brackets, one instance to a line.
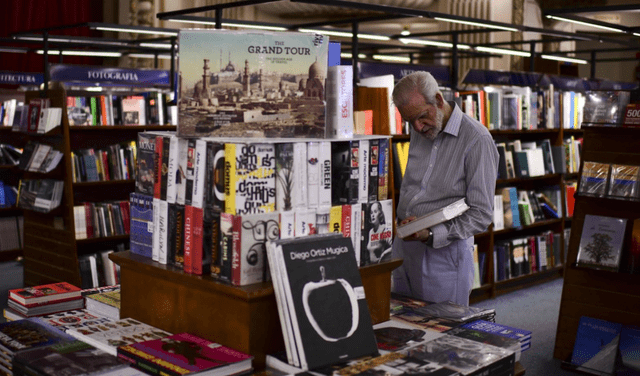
[453, 125]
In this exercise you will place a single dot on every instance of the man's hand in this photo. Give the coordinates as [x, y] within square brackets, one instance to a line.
[422, 235]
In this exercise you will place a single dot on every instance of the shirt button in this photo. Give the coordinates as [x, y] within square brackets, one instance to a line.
[436, 147]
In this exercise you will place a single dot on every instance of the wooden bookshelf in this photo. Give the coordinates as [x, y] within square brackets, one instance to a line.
[244, 318]
[605, 295]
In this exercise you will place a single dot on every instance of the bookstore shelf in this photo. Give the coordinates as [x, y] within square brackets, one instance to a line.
[600, 294]
[500, 182]
[94, 184]
[244, 318]
[102, 239]
[545, 223]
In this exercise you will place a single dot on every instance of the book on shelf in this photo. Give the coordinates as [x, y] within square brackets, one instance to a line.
[601, 242]
[40, 195]
[49, 293]
[377, 232]
[283, 64]
[595, 346]
[623, 182]
[468, 357]
[339, 96]
[345, 172]
[325, 316]
[141, 225]
[429, 220]
[59, 359]
[185, 353]
[109, 336]
[594, 178]
[631, 115]
[104, 304]
[35, 107]
[50, 118]
[605, 107]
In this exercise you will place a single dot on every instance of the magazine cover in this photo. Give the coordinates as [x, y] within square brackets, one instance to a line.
[601, 242]
[330, 315]
[252, 84]
[145, 163]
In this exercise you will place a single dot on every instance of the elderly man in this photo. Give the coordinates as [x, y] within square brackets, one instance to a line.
[451, 156]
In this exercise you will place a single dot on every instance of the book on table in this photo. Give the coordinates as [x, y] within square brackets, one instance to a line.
[596, 344]
[321, 300]
[45, 293]
[433, 218]
[185, 353]
[105, 304]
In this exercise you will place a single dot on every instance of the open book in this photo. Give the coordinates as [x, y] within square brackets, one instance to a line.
[431, 219]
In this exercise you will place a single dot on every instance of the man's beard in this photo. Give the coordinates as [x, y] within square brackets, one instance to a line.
[432, 132]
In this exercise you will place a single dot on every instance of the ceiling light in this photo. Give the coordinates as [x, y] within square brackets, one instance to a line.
[425, 42]
[82, 53]
[149, 56]
[392, 58]
[636, 34]
[136, 31]
[94, 88]
[405, 32]
[348, 55]
[155, 45]
[476, 24]
[567, 59]
[585, 23]
[503, 51]
[272, 28]
[16, 50]
[345, 34]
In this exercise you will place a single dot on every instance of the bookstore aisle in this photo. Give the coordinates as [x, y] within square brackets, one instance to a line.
[535, 308]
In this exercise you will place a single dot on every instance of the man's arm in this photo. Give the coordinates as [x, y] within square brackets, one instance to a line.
[481, 169]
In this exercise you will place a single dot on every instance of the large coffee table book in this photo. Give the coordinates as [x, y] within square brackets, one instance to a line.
[321, 301]
[252, 83]
[431, 219]
[185, 354]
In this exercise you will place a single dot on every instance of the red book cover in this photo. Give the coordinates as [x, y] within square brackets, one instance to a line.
[185, 354]
[124, 209]
[105, 165]
[45, 303]
[533, 254]
[196, 240]
[571, 190]
[188, 238]
[346, 220]
[53, 292]
[158, 167]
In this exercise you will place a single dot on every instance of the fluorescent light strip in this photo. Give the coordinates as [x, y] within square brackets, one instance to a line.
[567, 59]
[156, 45]
[260, 27]
[585, 23]
[405, 33]
[475, 24]
[503, 51]
[636, 34]
[94, 88]
[392, 58]
[81, 53]
[13, 50]
[345, 34]
[348, 55]
[136, 31]
[433, 43]
[150, 56]
[71, 40]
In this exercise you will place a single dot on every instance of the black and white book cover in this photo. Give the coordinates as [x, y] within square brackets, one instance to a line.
[344, 170]
[377, 232]
[329, 313]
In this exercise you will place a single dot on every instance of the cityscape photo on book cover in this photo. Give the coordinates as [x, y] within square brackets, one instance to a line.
[252, 84]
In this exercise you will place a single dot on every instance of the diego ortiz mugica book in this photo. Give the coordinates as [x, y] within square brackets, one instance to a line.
[322, 285]
[278, 78]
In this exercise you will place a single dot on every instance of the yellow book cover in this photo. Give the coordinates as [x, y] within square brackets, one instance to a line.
[335, 219]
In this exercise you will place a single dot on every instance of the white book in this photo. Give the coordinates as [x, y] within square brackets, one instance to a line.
[305, 224]
[181, 171]
[155, 249]
[339, 95]
[287, 224]
[197, 196]
[299, 175]
[324, 193]
[356, 229]
[163, 231]
[313, 173]
[39, 156]
[322, 219]
[363, 172]
[109, 268]
[498, 213]
[535, 161]
[94, 270]
[431, 219]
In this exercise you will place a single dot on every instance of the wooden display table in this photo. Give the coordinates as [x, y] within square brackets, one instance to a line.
[244, 318]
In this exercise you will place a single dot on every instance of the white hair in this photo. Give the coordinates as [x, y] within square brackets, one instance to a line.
[422, 82]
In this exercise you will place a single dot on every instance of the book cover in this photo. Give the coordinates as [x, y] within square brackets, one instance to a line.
[49, 293]
[29, 333]
[383, 169]
[111, 335]
[521, 335]
[305, 222]
[313, 174]
[454, 312]
[395, 335]
[392, 364]
[377, 232]
[185, 353]
[628, 359]
[601, 242]
[249, 255]
[605, 107]
[250, 178]
[431, 219]
[330, 316]
[339, 96]
[595, 346]
[324, 194]
[594, 178]
[141, 224]
[465, 356]
[363, 171]
[214, 176]
[489, 338]
[623, 182]
[344, 169]
[61, 358]
[222, 69]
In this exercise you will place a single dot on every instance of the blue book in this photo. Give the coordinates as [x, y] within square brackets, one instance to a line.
[28, 334]
[513, 197]
[628, 361]
[3, 201]
[141, 229]
[522, 335]
[596, 345]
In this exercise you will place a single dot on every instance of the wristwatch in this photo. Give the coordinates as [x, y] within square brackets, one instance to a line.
[429, 240]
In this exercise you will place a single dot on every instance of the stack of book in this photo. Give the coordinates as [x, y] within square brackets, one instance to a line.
[523, 336]
[105, 304]
[45, 299]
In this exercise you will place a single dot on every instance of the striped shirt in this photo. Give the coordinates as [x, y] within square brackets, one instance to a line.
[462, 162]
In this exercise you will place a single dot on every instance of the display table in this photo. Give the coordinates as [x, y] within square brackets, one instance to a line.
[244, 318]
